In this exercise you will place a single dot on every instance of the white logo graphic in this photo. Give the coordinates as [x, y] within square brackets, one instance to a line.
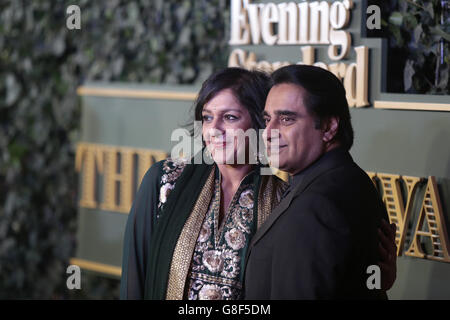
[74, 280]
[374, 281]
[374, 21]
[74, 20]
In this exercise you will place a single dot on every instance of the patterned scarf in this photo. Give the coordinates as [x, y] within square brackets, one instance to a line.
[176, 231]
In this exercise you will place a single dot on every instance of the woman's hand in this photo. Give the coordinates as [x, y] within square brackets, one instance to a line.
[388, 254]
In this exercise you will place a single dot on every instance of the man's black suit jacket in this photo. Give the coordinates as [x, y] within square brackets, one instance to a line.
[321, 238]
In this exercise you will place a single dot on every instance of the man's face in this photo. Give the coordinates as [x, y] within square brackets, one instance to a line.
[300, 143]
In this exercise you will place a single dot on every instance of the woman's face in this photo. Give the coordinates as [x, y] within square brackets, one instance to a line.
[223, 118]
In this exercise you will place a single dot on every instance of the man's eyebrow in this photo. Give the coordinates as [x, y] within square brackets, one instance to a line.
[265, 114]
[286, 113]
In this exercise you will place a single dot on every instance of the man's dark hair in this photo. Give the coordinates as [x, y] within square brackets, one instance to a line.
[249, 87]
[325, 96]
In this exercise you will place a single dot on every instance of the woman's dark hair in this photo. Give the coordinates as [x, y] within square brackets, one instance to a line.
[249, 87]
[325, 96]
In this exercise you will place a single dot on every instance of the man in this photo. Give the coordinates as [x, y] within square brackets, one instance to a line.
[320, 240]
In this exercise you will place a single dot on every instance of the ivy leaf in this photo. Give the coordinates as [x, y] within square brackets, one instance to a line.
[417, 33]
[410, 21]
[396, 18]
[443, 78]
[429, 8]
[408, 74]
[16, 151]
[439, 32]
[13, 89]
[397, 35]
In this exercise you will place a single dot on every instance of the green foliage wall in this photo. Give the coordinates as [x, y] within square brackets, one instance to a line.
[42, 63]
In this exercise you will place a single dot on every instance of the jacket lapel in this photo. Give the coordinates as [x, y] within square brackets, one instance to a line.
[282, 206]
[330, 160]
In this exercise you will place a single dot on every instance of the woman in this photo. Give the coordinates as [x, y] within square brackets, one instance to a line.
[190, 225]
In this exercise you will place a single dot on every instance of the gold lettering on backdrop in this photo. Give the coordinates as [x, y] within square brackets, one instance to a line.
[307, 55]
[117, 166]
[412, 184]
[288, 23]
[372, 176]
[303, 27]
[113, 179]
[269, 16]
[393, 199]
[320, 16]
[355, 75]
[239, 25]
[340, 40]
[315, 22]
[91, 158]
[356, 79]
[400, 212]
[145, 160]
[431, 225]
